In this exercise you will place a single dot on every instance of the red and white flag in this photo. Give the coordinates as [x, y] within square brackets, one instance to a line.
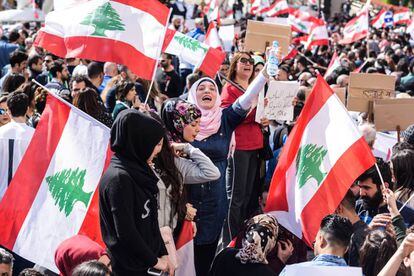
[257, 5]
[335, 63]
[357, 28]
[292, 53]
[122, 31]
[277, 8]
[402, 17]
[185, 251]
[198, 54]
[383, 145]
[410, 29]
[323, 155]
[212, 37]
[212, 10]
[318, 35]
[300, 21]
[379, 20]
[56, 197]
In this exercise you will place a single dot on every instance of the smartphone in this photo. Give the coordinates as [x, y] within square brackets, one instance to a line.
[156, 272]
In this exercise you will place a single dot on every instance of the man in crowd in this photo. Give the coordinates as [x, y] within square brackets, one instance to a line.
[60, 75]
[6, 263]
[331, 243]
[14, 138]
[346, 209]
[78, 83]
[371, 202]
[4, 117]
[110, 70]
[35, 64]
[18, 63]
[167, 79]
[6, 48]
[95, 74]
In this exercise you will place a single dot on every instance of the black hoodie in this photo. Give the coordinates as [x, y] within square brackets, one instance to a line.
[128, 196]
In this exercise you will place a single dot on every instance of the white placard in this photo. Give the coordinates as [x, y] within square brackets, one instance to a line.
[298, 270]
[279, 96]
[226, 34]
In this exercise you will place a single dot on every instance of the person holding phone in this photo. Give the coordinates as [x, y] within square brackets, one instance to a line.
[128, 197]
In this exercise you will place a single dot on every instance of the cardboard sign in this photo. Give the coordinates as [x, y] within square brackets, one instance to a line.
[260, 35]
[340, 92]
[280, 96]
[363, 88]
[298, 270]
[390, 113]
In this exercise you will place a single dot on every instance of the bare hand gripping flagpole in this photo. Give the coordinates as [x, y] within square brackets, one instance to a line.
[160, 43]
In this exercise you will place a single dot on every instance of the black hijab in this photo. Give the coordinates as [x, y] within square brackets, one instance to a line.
[133, 138]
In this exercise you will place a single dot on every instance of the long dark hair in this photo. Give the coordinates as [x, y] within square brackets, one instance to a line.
[170, 175]
[86, 100]
[122, 89]
[403, 168]
[376, 250]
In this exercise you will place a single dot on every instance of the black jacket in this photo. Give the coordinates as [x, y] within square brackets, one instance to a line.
[127, 196]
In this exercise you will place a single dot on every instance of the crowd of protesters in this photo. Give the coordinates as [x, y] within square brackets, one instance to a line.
[190, 149]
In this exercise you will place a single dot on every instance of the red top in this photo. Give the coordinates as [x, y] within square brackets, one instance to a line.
[248, 134]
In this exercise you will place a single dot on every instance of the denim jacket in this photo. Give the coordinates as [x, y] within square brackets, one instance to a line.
[210, 198]
[321, 260]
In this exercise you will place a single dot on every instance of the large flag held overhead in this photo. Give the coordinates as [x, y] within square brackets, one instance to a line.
[379, 20]
[122, 31]
[357, 28]
[212, 37]
[402, 16]
[54, 195]
[207, 59]
[322, 157]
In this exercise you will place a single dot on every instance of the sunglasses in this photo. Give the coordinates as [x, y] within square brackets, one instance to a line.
[247, 60]
[2, 111]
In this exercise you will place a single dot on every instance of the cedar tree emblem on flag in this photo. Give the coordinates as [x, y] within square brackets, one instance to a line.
[104, 18]
[66, 188]
[308, 164]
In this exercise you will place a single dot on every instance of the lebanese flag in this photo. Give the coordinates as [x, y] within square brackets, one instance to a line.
[318, 35]
[53, 195]
[258, 5]
[335, 63]
[185, 251]
[357, 28]
[322, 157]
[379, 21]
[122, 31]
[402, 17]
[212, 37]
[213, 12]
[206, 58]
[277, 8]
[300, 21]
[383, 145]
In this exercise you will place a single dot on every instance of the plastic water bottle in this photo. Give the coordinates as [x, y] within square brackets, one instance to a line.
[273, 62]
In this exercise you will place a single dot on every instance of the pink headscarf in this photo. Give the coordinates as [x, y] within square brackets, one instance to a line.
[211, 118]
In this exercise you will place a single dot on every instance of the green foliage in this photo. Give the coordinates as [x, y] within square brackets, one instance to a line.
[66, 188]
[104, 18]
[308, 163]
[189, 43]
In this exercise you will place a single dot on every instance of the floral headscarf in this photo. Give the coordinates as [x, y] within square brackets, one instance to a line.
[259, 240]
[177, 114]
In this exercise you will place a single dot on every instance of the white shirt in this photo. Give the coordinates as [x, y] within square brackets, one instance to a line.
[19, 136]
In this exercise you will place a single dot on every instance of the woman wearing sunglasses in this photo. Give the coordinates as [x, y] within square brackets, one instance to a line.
[249, 140]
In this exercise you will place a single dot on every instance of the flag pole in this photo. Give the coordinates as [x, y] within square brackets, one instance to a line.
[380, 175]
[405, 203]
[158, 57]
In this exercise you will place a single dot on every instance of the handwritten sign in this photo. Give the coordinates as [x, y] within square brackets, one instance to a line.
[364, 88]
[299, 270]
[279, 96]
